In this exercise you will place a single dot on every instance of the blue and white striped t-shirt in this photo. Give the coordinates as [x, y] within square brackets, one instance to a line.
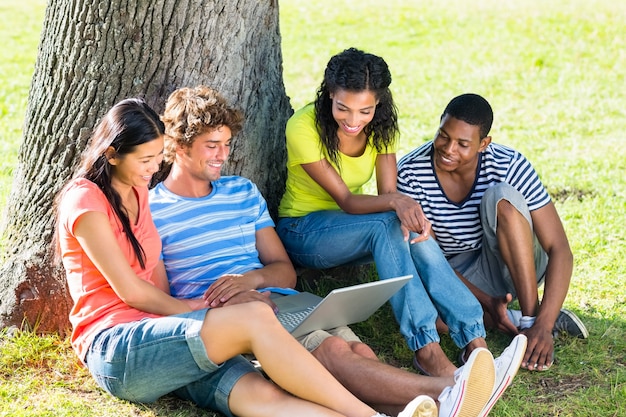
[205, 238]
[457, 225]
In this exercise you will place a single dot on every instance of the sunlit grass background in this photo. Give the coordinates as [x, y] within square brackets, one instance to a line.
[554, 72]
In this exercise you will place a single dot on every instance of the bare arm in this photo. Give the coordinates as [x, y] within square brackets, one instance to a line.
[551, 236]
[95, 236]
[495, 308]
[276, 272]
[159, 278]
[409, 212]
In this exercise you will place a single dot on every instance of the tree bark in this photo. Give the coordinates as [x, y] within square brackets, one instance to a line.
[93, 54]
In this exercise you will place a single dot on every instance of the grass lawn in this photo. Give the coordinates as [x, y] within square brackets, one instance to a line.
[554, 72]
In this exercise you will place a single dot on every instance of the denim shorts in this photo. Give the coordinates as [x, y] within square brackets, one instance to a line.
[144, 360]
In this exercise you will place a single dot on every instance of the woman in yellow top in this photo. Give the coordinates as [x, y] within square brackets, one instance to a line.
[334, 145]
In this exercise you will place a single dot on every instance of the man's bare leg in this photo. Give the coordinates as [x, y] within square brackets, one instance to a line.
[515, 239]
[382, 386]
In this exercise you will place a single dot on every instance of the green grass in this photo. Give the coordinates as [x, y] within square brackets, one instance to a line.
[554, 72]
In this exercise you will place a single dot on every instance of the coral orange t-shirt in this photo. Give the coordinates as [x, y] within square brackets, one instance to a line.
[96, 306]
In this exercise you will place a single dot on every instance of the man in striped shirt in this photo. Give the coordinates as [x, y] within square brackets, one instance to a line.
[496, 224]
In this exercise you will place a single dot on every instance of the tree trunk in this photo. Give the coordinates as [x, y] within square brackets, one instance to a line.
[93, 54]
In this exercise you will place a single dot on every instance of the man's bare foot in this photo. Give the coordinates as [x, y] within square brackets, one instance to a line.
[431, 360]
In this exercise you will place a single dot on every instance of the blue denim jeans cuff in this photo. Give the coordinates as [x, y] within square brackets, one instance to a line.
[462, 337]
[213, 391]
[423, 338]
[194, 341]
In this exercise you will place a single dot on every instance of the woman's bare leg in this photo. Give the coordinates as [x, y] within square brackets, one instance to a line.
[253, 328]
[255, 396]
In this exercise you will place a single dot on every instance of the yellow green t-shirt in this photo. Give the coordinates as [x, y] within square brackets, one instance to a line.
[302, 194]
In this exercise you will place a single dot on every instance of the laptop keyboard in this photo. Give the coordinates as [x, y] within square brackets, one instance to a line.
[291, 320]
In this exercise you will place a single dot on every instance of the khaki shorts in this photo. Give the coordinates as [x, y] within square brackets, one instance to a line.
[312, 340]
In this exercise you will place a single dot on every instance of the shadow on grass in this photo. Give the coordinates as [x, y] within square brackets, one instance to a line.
[171, 406]
[588, 375]
[585, 371]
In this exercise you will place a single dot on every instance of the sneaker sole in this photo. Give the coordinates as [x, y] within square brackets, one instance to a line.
[519, 345]
[478, 385]
[424, 407]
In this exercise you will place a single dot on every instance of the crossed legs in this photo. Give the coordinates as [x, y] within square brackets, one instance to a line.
[252, 327]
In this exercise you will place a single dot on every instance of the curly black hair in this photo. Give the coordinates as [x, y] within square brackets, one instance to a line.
[355, 71]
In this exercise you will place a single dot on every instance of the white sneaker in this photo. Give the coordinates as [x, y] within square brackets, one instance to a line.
[507, 365]
[420, 406]
[473, 387]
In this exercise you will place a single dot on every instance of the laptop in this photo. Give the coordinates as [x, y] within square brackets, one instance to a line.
[304, 312]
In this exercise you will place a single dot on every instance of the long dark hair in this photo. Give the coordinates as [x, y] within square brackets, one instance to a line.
[355, 71]
[129, 123]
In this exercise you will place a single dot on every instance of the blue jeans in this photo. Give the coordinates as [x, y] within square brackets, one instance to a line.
[327, 239]
[144, 360]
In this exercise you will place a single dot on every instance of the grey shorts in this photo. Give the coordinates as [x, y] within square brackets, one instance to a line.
[484, 267]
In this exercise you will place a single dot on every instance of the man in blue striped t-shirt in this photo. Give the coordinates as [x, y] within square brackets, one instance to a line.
[496, 224]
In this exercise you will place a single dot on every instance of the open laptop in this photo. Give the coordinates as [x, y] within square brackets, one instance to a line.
[304, 312]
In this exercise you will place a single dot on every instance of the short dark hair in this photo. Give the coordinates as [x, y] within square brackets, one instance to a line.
[472, 109]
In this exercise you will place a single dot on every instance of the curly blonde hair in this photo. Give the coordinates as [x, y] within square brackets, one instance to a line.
[190, 112]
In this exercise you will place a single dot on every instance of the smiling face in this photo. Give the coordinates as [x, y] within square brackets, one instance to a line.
[204, 159]
[353, 111]
[135, 169]
[457, 145]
